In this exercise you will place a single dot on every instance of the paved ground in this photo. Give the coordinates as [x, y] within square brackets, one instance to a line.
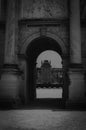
[42, 119]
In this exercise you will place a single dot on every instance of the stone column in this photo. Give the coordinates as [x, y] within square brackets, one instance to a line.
[9, 88]
[0, 10]
[11, 25]
[75, 33]
[76, 87]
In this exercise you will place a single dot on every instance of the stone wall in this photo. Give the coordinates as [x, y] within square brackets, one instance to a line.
[43, 9]
[2, 43]
[3, 7]
[26, 32]
[83, 38]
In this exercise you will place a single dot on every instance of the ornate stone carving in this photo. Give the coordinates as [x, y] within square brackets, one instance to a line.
[44, 9]
[43, 31]
[26, 32]
[61, 32]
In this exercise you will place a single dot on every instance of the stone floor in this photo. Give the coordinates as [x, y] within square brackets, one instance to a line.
[42, 119]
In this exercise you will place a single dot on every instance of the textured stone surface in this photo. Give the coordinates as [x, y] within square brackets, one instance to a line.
[75, 32]
[2, 43]
[44, 9]
[83, 35]
[26, 32]
[10, 56]
[42, 120]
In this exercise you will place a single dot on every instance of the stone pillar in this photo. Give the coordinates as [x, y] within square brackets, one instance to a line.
[0, 10]
[23, 88]
[76, 88]
[75, 34]
[9, 86]
[11, 39]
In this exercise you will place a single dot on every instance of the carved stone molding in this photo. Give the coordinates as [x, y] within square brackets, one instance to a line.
[43, 31]
[30, 32]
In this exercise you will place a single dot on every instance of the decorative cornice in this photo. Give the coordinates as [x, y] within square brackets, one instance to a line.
[11, 68]
[44, 22]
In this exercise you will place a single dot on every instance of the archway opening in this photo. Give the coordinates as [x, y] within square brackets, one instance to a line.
[49, 75]
[34, 50]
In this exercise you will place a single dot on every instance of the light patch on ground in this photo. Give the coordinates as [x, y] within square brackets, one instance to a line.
[49, 93]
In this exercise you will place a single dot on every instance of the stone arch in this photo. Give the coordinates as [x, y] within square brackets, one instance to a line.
[29, 39]
[31, 54]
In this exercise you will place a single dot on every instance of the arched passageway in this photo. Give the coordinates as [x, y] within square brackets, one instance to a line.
[34, 49]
